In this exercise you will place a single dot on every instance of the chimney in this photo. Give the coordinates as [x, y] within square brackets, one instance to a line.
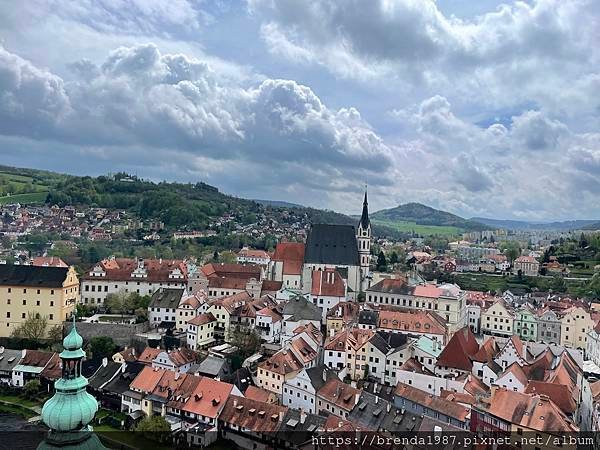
[376, 400]
[234, 402]
[357, 398]
[302, 416]
[104, 362]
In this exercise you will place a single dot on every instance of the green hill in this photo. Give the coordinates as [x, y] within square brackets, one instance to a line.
[423, 219]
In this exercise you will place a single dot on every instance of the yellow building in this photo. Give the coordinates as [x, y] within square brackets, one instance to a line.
[275, 371]
[497, 320]
[575, 324]
[49, 292]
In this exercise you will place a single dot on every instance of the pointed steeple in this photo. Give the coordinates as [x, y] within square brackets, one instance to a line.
[364, 218]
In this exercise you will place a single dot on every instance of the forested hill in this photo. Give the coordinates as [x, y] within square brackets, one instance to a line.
[425, 215]
[178, 205]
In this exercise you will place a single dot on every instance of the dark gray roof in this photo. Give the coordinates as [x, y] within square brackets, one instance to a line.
[299, 308]
[121, 382]
[385, 341]
[9, 358]
[211, 366]
[166, 298]
[296, 429]
[332, 244]
[374, 413]
[368, 317]
[104, 374]
[380, 390]
[319, 375]
[364, 218]
[241, 378]
[32, 276]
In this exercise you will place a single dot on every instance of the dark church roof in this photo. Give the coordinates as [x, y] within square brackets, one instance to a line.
[332, 244]
[364, 218]
[32, 276]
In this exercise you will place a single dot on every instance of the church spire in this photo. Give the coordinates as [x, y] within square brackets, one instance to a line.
[364, 218]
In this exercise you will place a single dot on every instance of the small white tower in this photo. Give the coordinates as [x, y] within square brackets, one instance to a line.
[363, 238]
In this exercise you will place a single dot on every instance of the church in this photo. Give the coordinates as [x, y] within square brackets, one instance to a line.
[343, 248]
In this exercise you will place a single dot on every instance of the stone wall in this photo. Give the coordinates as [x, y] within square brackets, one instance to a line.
[122, 334]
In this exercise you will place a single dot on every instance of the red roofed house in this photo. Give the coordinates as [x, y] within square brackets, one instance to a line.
[48, 261]
[327, 290]
[176, 360]
[221, 280]
[286, 264]
[526, 265]
[208, 400]
[251, 256]
[337, 397]
[279, 368]
[201, 331]
[141, 276]
[457, 357]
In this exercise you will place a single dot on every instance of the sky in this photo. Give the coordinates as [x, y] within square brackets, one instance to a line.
[480, 108]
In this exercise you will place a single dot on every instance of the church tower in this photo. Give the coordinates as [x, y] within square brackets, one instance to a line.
[71, 408]
[363, 237]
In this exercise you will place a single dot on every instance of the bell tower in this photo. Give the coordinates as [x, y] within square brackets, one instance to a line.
[363, 238]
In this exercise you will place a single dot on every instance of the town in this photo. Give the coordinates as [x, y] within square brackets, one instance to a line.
[318, 337]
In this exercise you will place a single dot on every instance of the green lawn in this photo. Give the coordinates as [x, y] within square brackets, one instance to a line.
[129, 438]
[425, 230]
[17, 410]
[19, 400]
[33, 197]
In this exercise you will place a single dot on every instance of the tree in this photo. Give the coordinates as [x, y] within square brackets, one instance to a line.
[511, 250]
[558, 284]
[101, 346]
[245, 339]
[34, 327]
[32, 389]
[55, 333]
[381, 261]
[118, 303]
[155, 427]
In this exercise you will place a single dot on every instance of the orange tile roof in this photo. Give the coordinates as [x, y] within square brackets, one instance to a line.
[428, 290]
[208, 398]
[339, 394]
[432, 402]
[252, 415]
[157, 269]
[536, 412]
[487, 351]
[202, 319]
[328, 283]
[48, 261]
[231, 271]
[282, 362]
[411, 321]
[258, 394]
[147, 379]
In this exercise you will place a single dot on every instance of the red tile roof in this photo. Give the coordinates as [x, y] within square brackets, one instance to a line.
[252, 415]
[148, 355]
[459, 351]
[48, 261]
[157, 269]
[258, 394]
[292, 256]
[339, 394]
[411, 321]
[36, 358]
[231, 271]
[202, 319]
[327, 283]
[147, 379]
[432, 402]
[282, 362]
[487, 351]
[209, 397]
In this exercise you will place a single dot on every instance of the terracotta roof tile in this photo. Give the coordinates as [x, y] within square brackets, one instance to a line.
[459, 351]
[252, 415]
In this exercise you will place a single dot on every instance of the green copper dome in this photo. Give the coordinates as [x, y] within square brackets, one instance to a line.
[71, 408]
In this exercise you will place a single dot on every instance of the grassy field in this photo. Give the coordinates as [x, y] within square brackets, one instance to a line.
[425, 230]
[32, 197]
[128, 438]
[18, 400]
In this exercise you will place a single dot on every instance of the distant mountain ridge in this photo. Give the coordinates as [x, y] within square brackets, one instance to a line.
[522, 225]
[278, 203]
[426, 215]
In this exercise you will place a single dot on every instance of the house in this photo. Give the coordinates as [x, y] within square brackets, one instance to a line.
[162, 310]
[576, 323]
[426, 351]
[300, 392]
[526, 265]
[421, 402]
[261, 395]
[212, 366]
[148, 355]
[268, 323]
[251, 256]
[386, 353]
[327, 290]
[549, 326]
[341, 316]
[125, 355]
[189, 307]
[31, 365]
[513, 378]
[347, 352]
[49, 292]
[8, 360]
[179, 360]
[497, 319]
[48, 261]
[296, 312]
[336, 397]
[141, 276]
[512, 351]
[525, 323]
[286, 264]
[207, 400]
[98, 382]
[414, 323]
[223, 280]
[278, 369]
[201, 331]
